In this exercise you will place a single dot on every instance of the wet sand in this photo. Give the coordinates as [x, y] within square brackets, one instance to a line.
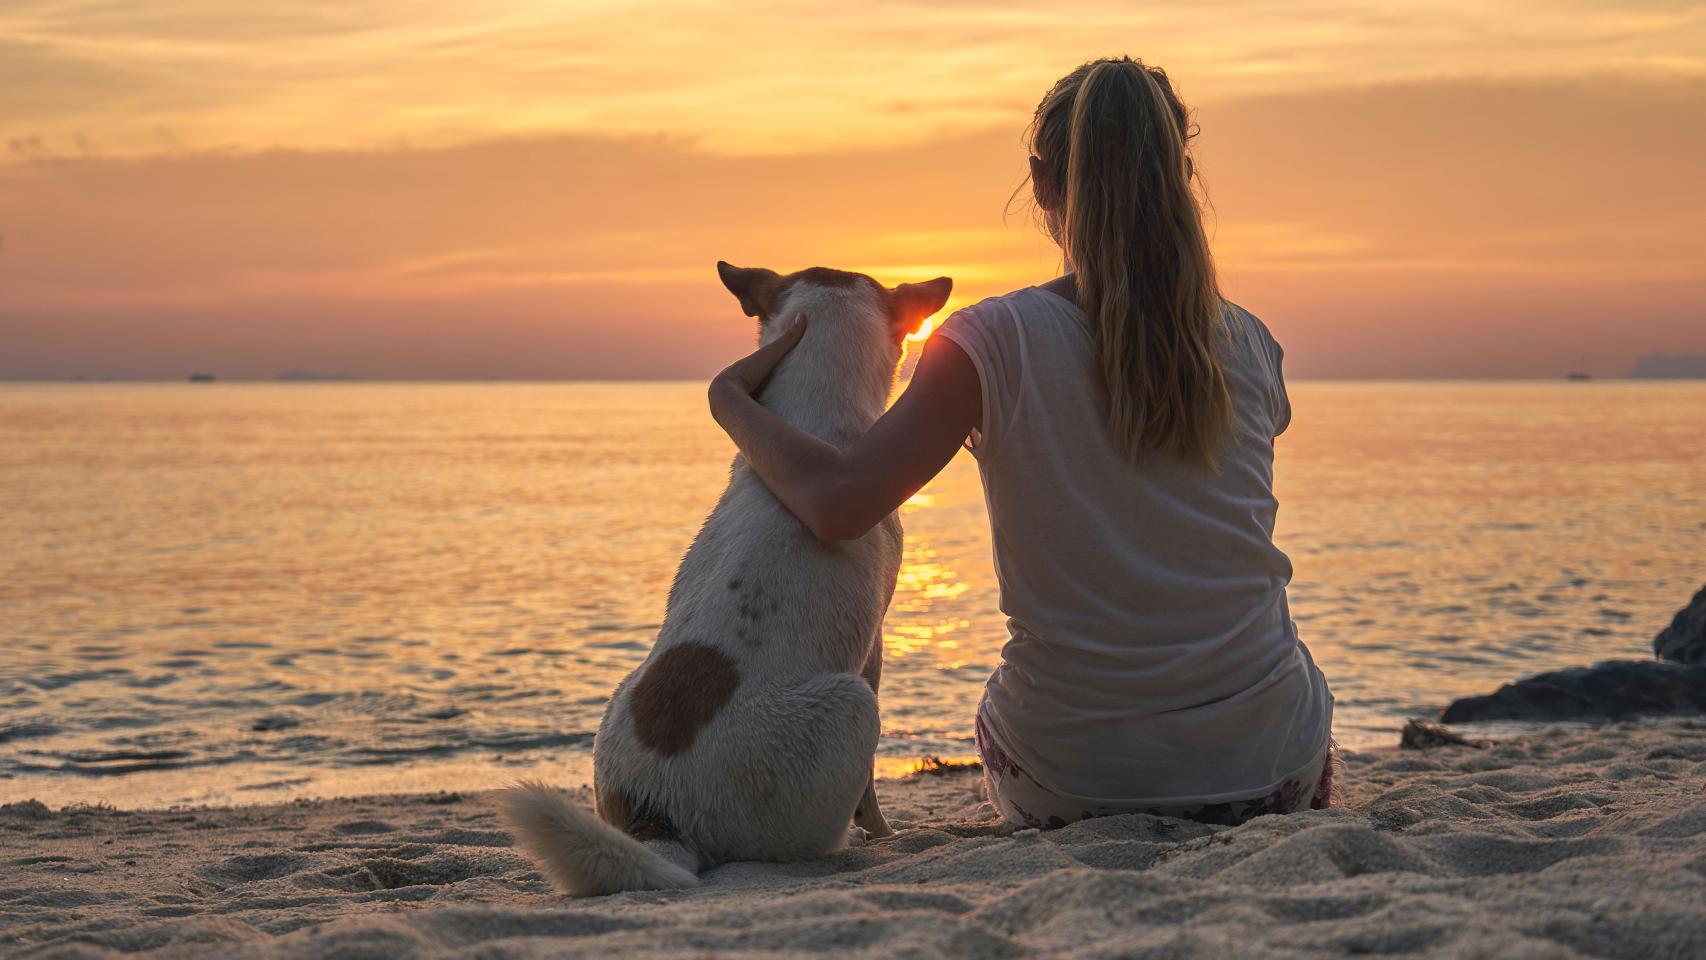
[1564, 843]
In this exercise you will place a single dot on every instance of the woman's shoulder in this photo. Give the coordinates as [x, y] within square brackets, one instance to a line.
[1242, 320]
[993, 303]
[1007, 308]
[1028, 322]
[976, 317]
[991, 325]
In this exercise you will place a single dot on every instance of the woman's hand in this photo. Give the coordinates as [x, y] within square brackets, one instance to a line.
[839, 494]
[750, 372]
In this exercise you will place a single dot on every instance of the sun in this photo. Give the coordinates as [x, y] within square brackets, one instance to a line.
[924, 330]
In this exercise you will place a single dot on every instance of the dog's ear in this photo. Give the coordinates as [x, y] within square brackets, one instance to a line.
[754, 287]
[912, 302]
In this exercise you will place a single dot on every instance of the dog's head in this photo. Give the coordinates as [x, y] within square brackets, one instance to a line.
[886, 313]
[836, 382]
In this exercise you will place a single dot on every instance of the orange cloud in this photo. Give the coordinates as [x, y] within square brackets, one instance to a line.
[1440, 227]
[167, 75]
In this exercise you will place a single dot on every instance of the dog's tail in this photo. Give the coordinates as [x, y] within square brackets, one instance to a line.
[582, 855]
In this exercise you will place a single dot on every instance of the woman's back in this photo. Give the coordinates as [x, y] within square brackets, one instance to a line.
[1125, 437]
[1152, 657]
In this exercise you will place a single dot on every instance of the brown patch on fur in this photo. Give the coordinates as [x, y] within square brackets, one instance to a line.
[814, 277]
[751, 610]
[638, 820]
[906, 305]
[756, 288]
[762, 291]
[679, 694]
[829, 277]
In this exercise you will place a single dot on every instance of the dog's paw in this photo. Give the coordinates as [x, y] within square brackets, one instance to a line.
[856, 836]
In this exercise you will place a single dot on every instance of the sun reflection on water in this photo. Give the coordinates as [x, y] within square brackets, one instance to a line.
[896, 768]
[913, 623]
[384, 587]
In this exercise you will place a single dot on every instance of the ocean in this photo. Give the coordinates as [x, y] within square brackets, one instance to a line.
[237, 593]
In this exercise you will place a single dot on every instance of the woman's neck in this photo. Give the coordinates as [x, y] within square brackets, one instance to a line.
[1064, 287]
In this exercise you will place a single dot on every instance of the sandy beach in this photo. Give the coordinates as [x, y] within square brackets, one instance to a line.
[1565, 843]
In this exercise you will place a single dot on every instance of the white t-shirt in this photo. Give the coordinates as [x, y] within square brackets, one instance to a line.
[1151, 656]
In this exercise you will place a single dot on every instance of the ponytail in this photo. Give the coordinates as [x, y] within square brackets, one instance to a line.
[1116, 140]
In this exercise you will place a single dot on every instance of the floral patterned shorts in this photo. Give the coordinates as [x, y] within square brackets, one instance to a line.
[1022, 800]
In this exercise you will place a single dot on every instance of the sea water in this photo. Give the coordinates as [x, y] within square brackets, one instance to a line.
[246, 592]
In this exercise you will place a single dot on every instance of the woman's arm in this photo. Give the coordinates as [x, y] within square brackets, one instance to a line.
[841, 494]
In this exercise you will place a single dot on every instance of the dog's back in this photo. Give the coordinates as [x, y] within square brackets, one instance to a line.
[748, 731]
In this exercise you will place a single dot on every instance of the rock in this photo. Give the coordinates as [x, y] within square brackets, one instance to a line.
[1684, 641]
[1420, 735]
[1613, 690]
[26, 810]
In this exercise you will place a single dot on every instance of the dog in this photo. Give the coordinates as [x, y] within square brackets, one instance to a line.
[749, 732]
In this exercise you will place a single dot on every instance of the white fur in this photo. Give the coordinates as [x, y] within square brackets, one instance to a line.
[582, 855]
[778, 772]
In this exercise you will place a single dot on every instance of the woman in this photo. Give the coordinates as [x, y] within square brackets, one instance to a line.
[1123, 419]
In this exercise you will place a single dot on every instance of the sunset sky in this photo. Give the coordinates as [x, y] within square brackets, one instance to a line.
[512, 189]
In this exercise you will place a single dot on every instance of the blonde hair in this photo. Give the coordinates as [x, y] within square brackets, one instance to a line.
[1115, 139]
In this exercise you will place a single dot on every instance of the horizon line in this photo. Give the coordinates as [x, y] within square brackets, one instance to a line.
[359, 380]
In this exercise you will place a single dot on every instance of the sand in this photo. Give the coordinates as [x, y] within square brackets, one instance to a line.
[1565, 843]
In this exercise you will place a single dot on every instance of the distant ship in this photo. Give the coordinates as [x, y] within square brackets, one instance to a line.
[202, 378]
[1578, 376]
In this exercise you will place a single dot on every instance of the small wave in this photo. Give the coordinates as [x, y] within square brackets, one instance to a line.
[27, 730]
[89, 649]
[107, 764]
[89, 756]
[620, 645]
[150, 683]
[500, 743]
[122, 721]
[367, 702]
[59, 681]
[276, 722]
[277, 784]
